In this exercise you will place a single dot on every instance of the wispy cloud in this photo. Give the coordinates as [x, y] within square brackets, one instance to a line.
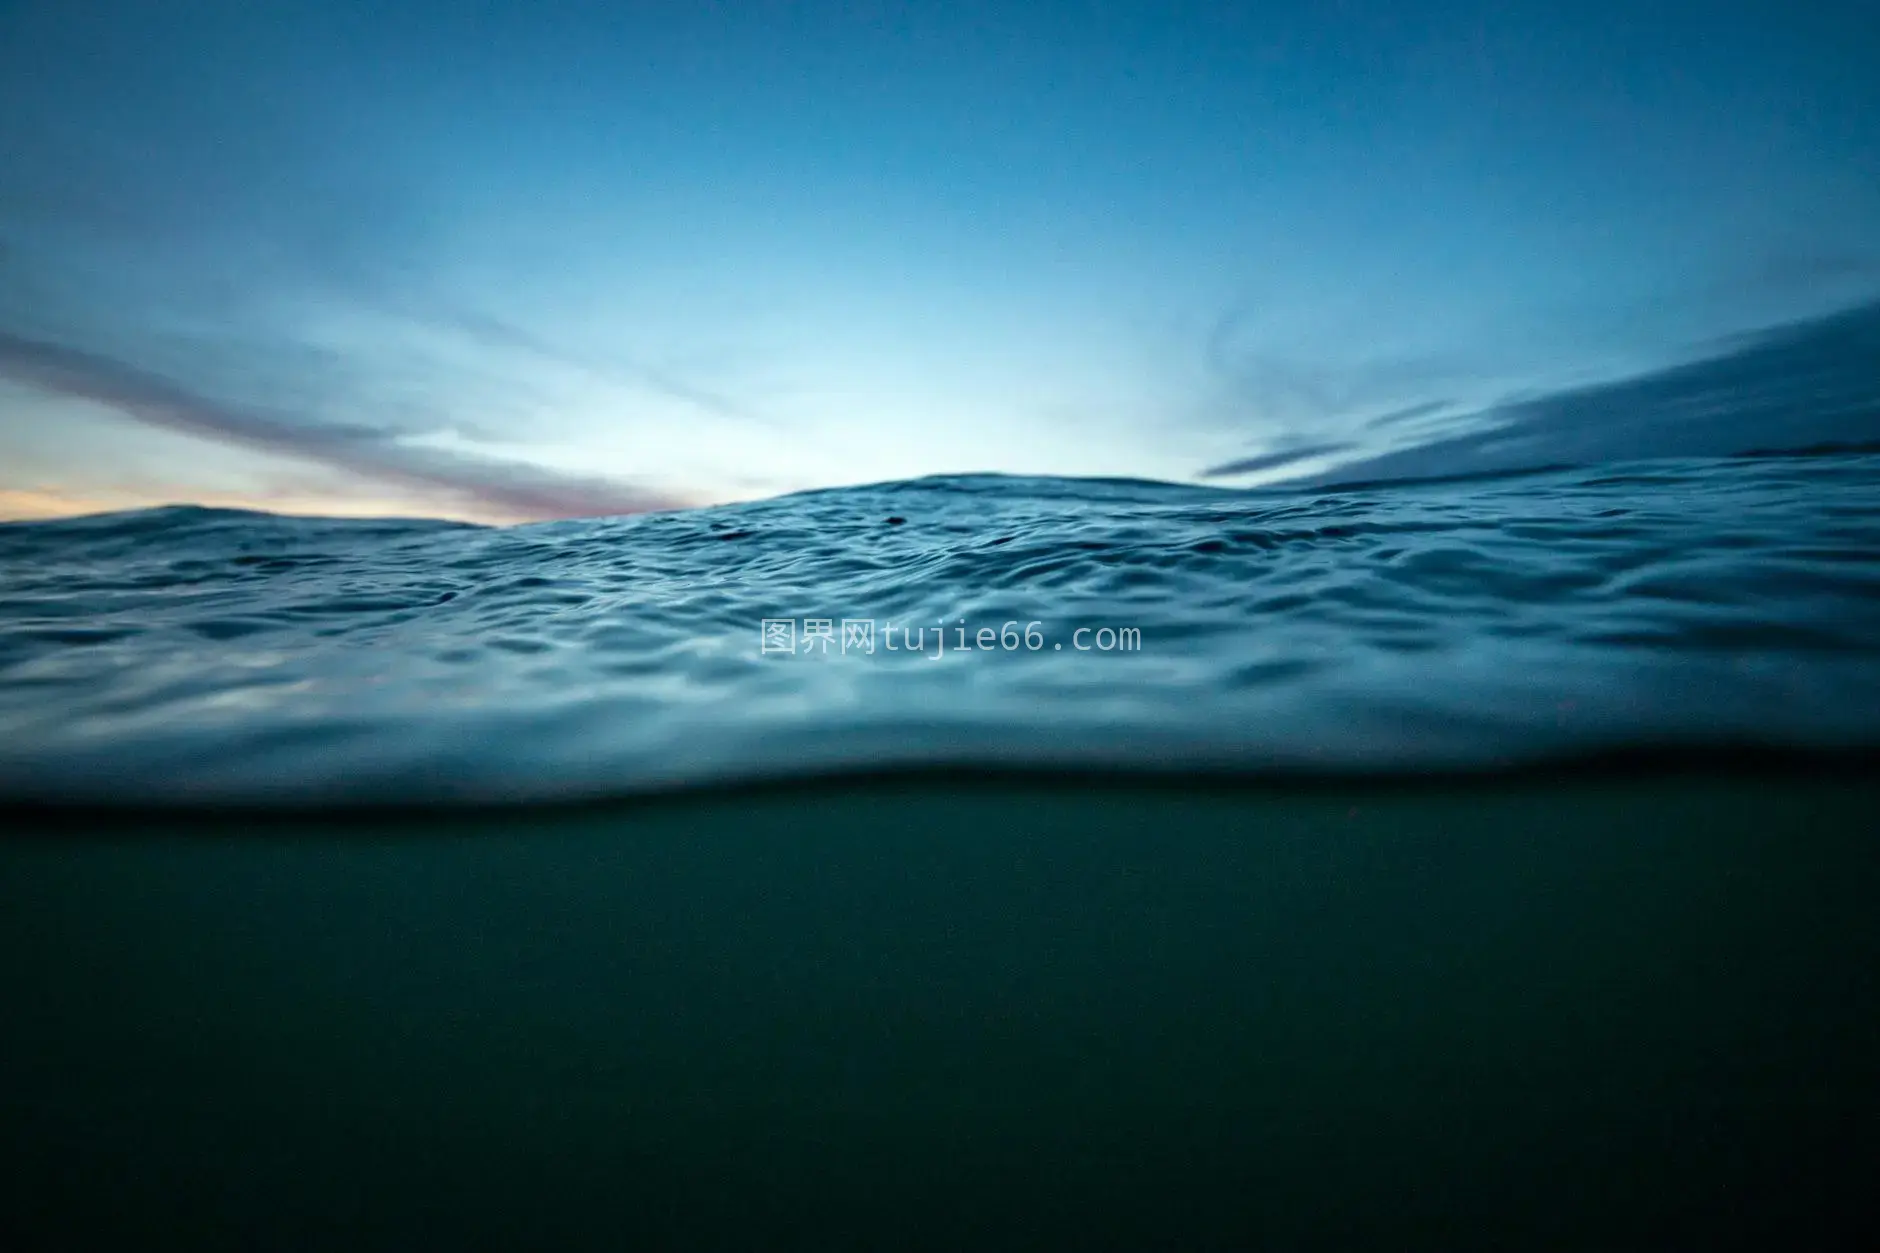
[1274, 460]
[1407, 414]
[1328, 393]
[242, 235]
[502, 489]
[616, 367]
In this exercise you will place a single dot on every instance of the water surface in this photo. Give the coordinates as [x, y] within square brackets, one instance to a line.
[188, 654]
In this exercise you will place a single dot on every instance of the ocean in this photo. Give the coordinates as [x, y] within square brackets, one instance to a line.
[968, 862]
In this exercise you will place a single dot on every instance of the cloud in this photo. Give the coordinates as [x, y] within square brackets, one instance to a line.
[1322, 390]
[497, 333]
[190, 261]
[1796, 385]
[1407, 414]
[243, 183]
[1273, 460]
[507, 489]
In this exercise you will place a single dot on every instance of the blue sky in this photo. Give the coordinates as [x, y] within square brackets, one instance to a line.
[511, 260]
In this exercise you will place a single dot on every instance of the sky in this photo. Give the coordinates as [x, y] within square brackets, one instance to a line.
[506, 261]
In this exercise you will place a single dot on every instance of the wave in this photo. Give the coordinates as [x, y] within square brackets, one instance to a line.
[978, 622]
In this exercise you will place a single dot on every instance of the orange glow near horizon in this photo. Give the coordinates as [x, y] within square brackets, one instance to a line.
[46, 502]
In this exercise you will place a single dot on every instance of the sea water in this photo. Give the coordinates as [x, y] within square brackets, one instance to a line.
[1465, 864]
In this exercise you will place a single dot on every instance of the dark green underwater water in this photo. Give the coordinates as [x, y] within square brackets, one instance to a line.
[1579, 1013]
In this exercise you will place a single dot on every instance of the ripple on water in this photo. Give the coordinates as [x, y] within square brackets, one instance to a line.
[1473, 622]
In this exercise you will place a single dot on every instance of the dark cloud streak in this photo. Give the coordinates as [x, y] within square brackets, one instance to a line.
[1802, 384]
[1407, 414]
[1273, 460]
[509, 489]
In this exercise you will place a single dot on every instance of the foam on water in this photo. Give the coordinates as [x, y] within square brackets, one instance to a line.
[190, 654]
